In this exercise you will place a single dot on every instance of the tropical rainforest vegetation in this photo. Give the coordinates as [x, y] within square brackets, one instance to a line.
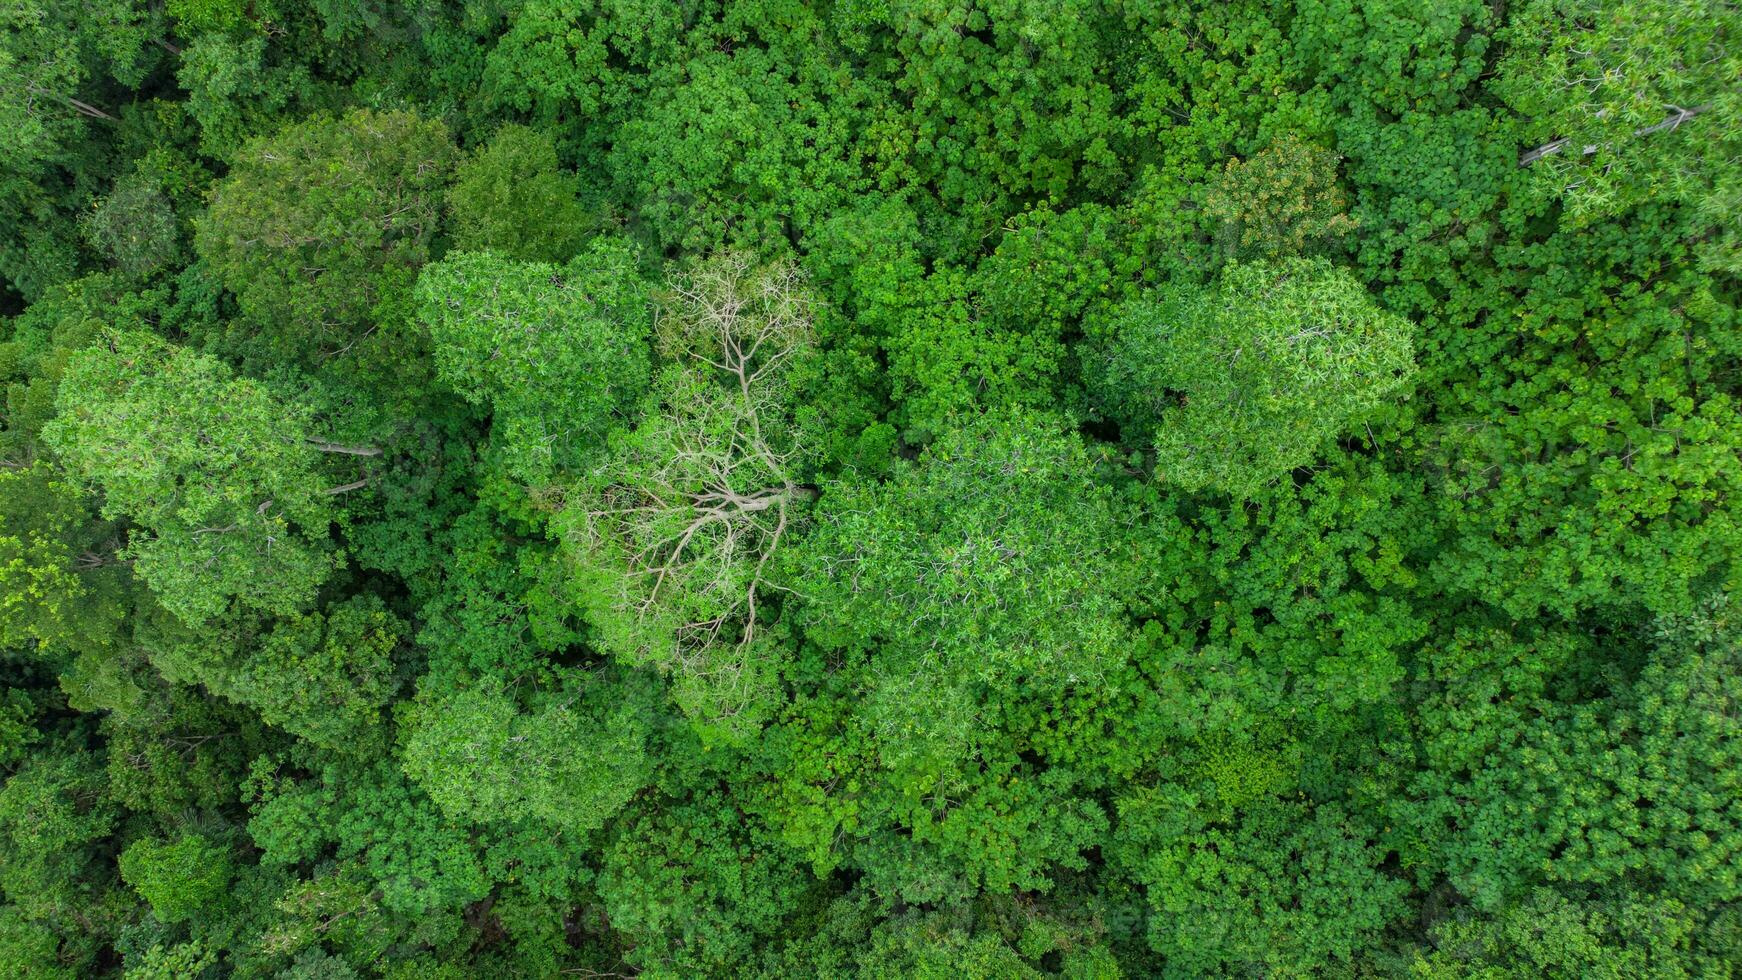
[887, 488]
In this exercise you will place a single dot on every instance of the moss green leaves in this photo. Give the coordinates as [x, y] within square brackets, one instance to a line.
[568, 761]
[511, 196]
[994, 556]
[320, 228]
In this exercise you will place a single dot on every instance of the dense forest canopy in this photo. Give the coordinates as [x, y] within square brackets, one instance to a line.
[890, 488]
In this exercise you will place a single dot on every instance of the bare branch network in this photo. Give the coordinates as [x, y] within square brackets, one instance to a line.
[697, 502]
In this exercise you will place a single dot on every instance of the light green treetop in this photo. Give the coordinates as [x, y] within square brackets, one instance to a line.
[559, 353]
[214, 471]
[1239, 383]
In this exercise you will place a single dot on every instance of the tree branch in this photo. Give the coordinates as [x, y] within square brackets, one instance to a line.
[1675, 119]
[333, 447]
[83, 108]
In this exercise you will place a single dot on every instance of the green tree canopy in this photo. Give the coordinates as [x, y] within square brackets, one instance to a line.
[319, 230]
[568, 761]
[559, 353]
[886, 488]
[1239, 383]
[216, 473]
[672, 532]
[180, 878]
[511, 196]
[995, 556]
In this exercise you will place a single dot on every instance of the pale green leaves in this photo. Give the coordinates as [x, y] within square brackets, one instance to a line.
[213, 470]
[1244, 381]
[672, 532]
[559, 353]
[1633, 102]
[570, 761]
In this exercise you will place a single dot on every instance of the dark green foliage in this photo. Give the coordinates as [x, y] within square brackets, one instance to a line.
[511, 196]
[1282, 888]
[741, 148]
[319, 231]
[1660, 808]
[65, 75]
[135, 227]
[568, 762]
[994, 557]
[56, 866]
[586, 61]
[878, 488]
[1549, 935]
[694, 888]
[374, 840]
[324, 676]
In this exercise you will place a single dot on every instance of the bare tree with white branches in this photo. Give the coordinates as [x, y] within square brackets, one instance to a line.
[674, 531]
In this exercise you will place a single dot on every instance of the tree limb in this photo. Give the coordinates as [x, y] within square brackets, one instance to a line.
[82, 108]
[333, 447]
[1552, 147]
